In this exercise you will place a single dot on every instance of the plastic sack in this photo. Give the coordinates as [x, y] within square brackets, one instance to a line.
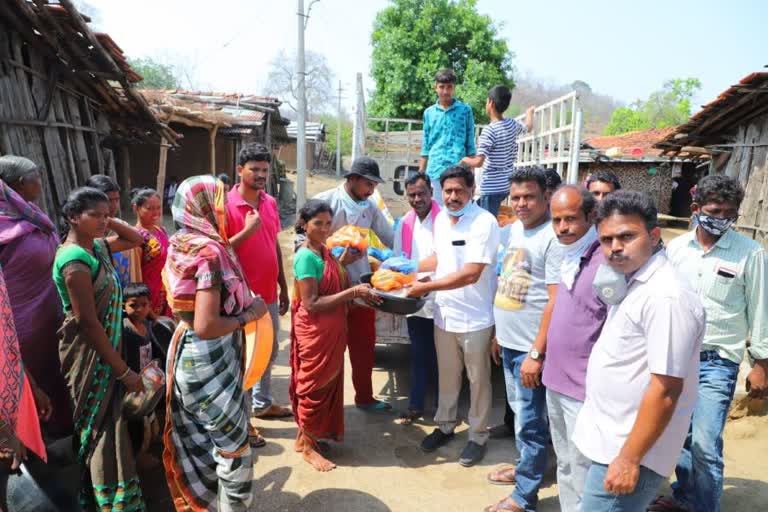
[339, 250]
[258, 349]
[387, 280]
[349, 236]
[400, 264]
[380, 254]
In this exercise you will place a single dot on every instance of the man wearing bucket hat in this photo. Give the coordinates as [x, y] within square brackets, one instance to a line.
[351, 206]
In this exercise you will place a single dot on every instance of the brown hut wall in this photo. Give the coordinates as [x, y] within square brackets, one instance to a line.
[634, 176]
[41, 118]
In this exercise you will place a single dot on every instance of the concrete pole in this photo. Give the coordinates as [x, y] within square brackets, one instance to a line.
[338, 136]
[573, 165]
[301, 135]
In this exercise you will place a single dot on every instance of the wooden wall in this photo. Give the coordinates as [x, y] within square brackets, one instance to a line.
[634, 176]
[49, 122]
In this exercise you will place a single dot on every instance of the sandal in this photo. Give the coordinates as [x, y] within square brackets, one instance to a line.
[667, 504]
[503, 476]
[255, 439]
[408, 418]
[507, 504]
[376, 406]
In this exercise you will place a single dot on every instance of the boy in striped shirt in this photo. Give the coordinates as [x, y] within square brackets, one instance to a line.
[497, 149]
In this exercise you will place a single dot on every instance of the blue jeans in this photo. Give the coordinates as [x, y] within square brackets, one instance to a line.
[261, 394]
[700, 467]
[531, 430]
[491, 202]
[597, 499]
[423, 360]
[437, 190]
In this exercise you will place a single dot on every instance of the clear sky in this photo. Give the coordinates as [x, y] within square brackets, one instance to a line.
[623, 48]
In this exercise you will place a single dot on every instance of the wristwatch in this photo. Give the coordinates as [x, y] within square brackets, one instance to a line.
[536, 355]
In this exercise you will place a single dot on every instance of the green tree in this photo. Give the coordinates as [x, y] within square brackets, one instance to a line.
[669, 106]
[330, 134]
[412, 39]
[156, 74]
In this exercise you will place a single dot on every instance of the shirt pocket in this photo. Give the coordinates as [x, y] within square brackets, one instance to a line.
[723, 289]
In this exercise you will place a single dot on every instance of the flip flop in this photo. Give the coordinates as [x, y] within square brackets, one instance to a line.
[503, 476]
[255, 439]
[274, 412]
[408, 418]
[504, 505]
[376, 406]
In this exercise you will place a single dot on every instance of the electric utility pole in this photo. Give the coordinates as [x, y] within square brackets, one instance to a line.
[338, 136]
[301, 134]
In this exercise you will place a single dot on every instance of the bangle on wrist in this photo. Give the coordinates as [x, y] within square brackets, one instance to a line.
[125, 374]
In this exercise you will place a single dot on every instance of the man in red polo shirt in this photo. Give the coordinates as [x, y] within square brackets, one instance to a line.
[252, 227]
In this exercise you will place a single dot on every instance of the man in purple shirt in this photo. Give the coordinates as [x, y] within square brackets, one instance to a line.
[577, 320]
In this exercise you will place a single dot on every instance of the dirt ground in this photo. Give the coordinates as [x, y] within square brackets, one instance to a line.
[382, 469]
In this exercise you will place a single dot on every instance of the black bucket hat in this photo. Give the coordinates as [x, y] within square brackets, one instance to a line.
[367, 168]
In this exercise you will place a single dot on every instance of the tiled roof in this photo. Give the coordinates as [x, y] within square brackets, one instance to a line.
[638, 144]
[717, 120]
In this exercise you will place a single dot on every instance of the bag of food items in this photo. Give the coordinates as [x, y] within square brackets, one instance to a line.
[401, 264]
[349, 236]
[386, 280]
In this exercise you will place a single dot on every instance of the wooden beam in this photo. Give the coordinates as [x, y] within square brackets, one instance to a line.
[161, 170]
[49, 124]
[212, 135]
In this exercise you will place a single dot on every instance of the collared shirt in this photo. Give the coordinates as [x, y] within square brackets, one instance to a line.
[730, 279]
[258, 253]
[473, 239]
[656, 329]
[422, 247]
[369, 218]
[531, 263]
[449, 136]
[577, 321]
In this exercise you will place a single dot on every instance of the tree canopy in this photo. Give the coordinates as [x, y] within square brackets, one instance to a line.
[156, 74]
[412, 39]
[669, 106]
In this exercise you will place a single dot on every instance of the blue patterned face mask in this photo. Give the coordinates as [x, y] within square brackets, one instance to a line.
[351, 207]
[713, 225]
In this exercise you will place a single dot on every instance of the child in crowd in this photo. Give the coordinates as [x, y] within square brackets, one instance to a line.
[497, 149]
[449, 131]
[141, 347]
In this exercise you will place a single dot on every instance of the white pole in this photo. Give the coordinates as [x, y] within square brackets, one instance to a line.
[301, 136]
[358, 130]
[338, 136]
[573, 165]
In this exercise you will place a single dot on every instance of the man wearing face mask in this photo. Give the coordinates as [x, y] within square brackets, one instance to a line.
[643, 370]
[464, 263]
[350, 205]
[728, 270]
[577, 320]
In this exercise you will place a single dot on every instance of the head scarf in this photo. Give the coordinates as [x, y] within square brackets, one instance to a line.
[200, 255]
[19, 217]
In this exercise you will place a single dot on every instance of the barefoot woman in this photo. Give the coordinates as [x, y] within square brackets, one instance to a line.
[319, 336]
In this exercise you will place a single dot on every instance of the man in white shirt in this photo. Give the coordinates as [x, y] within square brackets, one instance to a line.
[351, 205]
[414, 238]
[643, 371]
[464, 262]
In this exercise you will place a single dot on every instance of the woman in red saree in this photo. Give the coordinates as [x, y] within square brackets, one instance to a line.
[154, 250]
[319, 336]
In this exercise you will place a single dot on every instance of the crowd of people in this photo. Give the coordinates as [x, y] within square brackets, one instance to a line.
[618, 350]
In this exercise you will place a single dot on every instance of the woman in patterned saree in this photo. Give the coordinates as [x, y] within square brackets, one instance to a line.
[207, 455]
[90, 349]
[319, 336]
